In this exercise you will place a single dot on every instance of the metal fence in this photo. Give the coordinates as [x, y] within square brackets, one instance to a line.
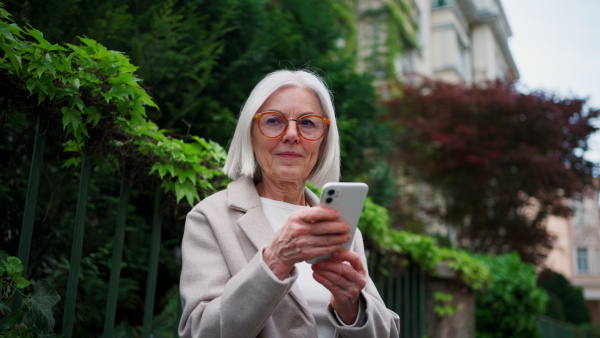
[402, 287]
[77, 244]
[552, 328]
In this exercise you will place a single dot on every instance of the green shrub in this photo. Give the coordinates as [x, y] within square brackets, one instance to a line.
[512, 304]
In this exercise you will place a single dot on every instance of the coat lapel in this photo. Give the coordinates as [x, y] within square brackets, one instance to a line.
[255, 225]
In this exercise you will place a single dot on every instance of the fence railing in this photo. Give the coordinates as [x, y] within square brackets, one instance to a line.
[77, 244]
[402, 287]
[554, 329]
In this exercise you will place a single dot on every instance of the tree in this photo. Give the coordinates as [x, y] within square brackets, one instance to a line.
[200, 60]
[501, 160]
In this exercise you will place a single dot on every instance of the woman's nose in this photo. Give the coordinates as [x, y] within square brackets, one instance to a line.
[291, 133]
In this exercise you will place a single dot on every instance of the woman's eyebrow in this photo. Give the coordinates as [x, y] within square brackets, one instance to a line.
[299, 116]
[307, 113]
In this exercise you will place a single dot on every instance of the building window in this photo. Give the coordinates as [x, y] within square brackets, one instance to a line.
[582, 261]
[461, 57]
[578, 212]
[585, 212]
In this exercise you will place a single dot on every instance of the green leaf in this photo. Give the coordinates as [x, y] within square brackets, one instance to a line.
[187, 190]
[92, 115]
[4, 13]
[170, 168]
[147, 100]
[161, 170]
[14, 58]
[72, 117]
[118, 92]
[155, 167]
[14, 267]
[79, 104]
[73, 161]
[123, 77]
[21, 282]
[41, 302]
[39, 36]
[72, 146]
[188, 174]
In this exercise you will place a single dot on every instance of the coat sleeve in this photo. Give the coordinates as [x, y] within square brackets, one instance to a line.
[215, 303]
[379, 320]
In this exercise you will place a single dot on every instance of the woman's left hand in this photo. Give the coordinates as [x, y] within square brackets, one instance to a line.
[344, 281]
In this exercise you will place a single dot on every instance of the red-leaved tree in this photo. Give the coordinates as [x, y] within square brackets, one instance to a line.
[490, 151]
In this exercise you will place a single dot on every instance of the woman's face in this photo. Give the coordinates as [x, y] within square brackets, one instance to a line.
[288, 157]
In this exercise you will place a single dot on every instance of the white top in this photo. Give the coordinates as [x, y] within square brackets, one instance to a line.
[315, 294]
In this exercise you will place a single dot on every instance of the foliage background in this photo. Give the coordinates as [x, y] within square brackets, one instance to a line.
[198, 60]
[197, 69]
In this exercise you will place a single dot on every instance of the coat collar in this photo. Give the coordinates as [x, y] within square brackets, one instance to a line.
[244, 197]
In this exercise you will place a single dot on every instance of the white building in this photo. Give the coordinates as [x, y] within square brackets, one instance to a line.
[459, 41]
[466, 41]
[576, 253]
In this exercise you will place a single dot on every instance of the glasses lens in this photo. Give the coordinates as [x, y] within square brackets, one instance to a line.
[311, 127]
[272, 124]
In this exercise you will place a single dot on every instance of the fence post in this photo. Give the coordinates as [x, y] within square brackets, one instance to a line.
[415, 300]
[30, 203]
[152, 265]
[115, 271]
[421, 302]
[389, 297]
[76, 248]
[407, 299]
[31, 199]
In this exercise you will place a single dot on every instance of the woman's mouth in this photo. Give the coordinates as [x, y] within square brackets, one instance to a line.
[289, 154]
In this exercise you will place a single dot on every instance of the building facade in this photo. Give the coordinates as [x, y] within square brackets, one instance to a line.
[466, 42]
[459, 41]
[576, 253]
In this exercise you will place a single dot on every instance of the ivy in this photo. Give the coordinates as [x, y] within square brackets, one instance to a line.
[444, 306]
[35, 318]
[88, 85]
[423, 250]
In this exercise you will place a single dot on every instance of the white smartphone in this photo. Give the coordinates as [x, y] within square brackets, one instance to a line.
[348, 198]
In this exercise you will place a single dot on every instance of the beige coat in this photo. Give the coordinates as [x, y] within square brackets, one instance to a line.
[226, 292]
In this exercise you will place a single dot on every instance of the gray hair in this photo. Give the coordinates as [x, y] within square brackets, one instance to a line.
[240, 159]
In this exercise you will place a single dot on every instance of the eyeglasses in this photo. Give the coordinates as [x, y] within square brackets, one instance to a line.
[273, 124]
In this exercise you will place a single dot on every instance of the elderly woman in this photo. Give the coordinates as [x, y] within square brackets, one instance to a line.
[244, 249]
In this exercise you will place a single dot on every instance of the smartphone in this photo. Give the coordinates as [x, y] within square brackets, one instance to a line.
[348, 198]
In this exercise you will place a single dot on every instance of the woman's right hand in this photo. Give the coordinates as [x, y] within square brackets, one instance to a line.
[307, 234]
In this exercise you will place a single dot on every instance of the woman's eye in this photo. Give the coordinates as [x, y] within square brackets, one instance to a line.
[308, 123]
[274, 120]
